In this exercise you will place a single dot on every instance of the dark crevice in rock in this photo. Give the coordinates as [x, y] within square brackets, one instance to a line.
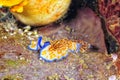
[7, 15]
[111, 43]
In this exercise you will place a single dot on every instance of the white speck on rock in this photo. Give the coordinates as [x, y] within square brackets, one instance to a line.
[113, 77]
[114, 56]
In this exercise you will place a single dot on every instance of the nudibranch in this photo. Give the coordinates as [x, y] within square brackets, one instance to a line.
[37, 12]
[58, 49]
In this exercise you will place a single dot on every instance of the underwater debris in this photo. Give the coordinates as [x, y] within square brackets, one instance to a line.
[59, 49]
[11, 29]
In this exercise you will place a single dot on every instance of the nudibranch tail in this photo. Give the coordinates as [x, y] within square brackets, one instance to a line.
[78, 47]
[84, 46]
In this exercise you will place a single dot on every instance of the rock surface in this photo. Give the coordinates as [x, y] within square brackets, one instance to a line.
[17, 62]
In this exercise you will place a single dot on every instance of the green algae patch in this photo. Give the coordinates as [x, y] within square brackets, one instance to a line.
[54, 77]
[13, 77]
[15, 63]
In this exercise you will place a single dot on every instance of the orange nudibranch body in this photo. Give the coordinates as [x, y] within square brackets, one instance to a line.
[58, 49]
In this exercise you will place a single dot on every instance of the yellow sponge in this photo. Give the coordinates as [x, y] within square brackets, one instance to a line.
[41, 12]
[9, 3]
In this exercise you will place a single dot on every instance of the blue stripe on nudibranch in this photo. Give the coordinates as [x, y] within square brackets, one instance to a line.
[37, 44]
[40, 42]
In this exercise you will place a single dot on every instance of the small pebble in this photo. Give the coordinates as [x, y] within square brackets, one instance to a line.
[67, 28]
[27, 28]
[114, 57]
[4, 37]
[29, 33]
